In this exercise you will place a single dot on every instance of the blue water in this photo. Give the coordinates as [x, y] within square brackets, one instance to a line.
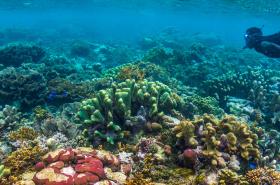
[129, 20]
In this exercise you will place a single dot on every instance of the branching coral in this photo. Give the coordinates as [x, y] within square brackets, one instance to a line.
[23, 159]
[109, 110]
[23, 134]
[138, 179]
[262, 176]
[215, 139]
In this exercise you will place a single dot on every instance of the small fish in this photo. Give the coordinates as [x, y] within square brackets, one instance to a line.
[252, 165]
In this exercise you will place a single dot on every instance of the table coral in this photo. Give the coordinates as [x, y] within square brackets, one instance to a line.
[108, 111]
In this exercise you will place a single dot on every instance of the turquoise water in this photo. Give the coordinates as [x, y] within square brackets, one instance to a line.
[139, 92]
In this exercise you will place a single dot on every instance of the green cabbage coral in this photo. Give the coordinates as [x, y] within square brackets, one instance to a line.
[110, 108]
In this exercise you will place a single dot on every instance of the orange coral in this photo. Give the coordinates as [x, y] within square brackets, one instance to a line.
[131, 72]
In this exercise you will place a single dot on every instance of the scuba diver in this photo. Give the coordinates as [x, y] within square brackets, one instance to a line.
[268, 45]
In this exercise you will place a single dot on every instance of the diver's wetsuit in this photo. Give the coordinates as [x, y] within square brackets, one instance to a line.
[269, 45]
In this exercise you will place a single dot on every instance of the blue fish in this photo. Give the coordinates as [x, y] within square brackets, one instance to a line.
[252, 165]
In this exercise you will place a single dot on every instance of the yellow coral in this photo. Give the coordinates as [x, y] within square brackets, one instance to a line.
[263, 176]
[185, 131]
[228, 177]
[214, 133]
[138, 179]
[23, 134]
[23, 159]
[40, 113]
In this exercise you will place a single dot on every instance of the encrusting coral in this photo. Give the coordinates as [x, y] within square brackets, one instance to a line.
[123, 105]
[208, 138]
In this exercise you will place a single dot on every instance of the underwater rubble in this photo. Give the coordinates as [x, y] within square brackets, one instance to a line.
[191, 114]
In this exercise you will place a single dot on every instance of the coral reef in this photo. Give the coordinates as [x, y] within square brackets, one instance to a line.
[80, 49]
[9, 117]
[16, 54]
[263, 176]
[212, 141]
[23, 134]
[114, 108]
[23, 159]
[4, 171]
[172, 109]
[27, 87]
